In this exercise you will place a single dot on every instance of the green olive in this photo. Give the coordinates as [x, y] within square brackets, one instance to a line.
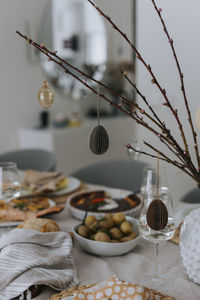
[116, 233]
[126, 227]
[129, 237]
[106, 224]
[119, 218]
[83, 231]
[102, 237]
[90, 220]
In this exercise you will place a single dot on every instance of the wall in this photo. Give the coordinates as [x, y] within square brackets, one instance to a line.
[182, 18]
[20, 80]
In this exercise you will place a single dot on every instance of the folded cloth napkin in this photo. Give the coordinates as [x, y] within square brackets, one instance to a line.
[39, 182]
[29, 257]
[115, 289]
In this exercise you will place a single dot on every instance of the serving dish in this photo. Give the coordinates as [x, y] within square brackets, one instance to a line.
[108, 249]
[23, 209]
[114, 200]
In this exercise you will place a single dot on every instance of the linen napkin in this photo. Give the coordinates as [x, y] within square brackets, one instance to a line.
[29, 257]
[116, 289]
[39, 182]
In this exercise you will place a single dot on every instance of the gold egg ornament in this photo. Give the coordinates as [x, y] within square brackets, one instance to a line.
[46, 96]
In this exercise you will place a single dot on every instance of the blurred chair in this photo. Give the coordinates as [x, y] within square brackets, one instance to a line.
[121, 173]
[193, 196]
[35, 159]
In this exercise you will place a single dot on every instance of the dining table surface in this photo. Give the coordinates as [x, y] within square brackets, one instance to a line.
[131, 266]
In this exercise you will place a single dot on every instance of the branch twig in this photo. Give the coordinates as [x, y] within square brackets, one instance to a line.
[181, 80]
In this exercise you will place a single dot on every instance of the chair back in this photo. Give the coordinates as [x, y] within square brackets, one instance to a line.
[35, 159]
[122, 174]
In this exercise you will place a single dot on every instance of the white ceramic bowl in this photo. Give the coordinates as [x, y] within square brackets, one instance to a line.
[115, 193]
[108, 249]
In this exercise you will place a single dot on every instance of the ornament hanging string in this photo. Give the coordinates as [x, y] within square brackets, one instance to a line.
[157, 177]
[98, 105]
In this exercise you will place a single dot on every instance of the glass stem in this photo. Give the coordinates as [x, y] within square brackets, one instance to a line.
[156, 244]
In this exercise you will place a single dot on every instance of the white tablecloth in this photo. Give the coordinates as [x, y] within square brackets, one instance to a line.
[131, 266]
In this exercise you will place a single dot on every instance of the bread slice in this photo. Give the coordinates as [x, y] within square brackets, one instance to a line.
[40, 224]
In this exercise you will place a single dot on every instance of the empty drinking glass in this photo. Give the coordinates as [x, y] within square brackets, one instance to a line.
[9, 181]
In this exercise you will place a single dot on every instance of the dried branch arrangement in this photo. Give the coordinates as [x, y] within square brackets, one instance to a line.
[145, 116]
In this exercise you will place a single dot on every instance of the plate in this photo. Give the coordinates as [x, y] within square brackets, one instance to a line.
[16, 223]
[113, 193]
[73, 184]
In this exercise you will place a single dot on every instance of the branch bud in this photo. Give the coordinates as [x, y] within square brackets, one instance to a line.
[149, 67]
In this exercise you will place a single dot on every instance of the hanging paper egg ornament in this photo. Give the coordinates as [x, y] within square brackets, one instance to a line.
[157, 215]
[46, 95]
[99, 140]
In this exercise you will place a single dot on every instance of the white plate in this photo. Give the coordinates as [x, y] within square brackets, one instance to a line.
[16, 223]
[73, 184]
[115, 193]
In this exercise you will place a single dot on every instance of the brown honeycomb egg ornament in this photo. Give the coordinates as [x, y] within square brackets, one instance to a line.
[99, 140]
[157, 215]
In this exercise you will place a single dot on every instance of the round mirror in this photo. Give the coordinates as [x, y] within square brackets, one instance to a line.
[77, 31]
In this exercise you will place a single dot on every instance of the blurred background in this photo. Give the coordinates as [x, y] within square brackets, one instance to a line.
[80, 35]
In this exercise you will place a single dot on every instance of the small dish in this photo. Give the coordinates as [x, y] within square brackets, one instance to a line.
[108, 249]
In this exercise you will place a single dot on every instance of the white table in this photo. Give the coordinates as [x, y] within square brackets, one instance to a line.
[131, 266]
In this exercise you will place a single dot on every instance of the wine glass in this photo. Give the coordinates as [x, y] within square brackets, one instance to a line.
[148, 180]
[9, 181]
[156, 222]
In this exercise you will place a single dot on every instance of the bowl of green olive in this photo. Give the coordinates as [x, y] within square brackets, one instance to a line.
[110, 235]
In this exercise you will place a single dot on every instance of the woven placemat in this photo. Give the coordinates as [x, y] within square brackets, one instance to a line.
[71, 291]
[176, 237]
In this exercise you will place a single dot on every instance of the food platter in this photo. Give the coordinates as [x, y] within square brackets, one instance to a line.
[22, 209]
[104, 200]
